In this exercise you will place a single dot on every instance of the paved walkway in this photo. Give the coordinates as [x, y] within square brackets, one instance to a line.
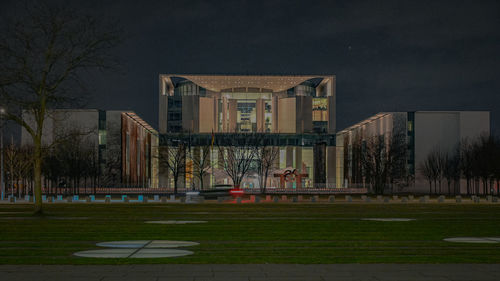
[235, 272]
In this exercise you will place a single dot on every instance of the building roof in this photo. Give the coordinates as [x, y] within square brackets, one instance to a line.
[382, 114]
[364, 122]
[141, 122]
[218, 82]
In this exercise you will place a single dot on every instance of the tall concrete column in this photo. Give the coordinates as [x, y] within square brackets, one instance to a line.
[260, 110]
[298, 158]
[233, 109]
[331, 165]
[274, 112]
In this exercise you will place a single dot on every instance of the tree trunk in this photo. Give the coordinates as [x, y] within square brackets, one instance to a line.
[38, 175]
[175, 186]
[264, 185]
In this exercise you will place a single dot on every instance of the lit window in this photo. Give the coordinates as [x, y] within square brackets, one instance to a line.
[102, 137]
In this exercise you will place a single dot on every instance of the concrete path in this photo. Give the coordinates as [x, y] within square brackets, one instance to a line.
[235, 272]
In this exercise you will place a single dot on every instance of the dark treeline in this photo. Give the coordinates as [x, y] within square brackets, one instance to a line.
[379, 163]
[68, 165]
[475, 162]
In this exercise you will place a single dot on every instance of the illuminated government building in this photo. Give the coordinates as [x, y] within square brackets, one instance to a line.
[293, 112]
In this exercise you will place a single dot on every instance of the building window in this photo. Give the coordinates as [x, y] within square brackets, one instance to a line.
[102, 137]
[320, 109]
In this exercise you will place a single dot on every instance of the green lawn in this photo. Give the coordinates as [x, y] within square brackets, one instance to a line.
[256, 233]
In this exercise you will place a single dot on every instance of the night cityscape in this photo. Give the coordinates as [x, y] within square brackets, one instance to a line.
[249, 140]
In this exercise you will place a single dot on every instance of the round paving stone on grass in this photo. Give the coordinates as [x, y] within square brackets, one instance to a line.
[139, 249]
[488, 240]
[170, 244]
[387, 219]
[160, 253]
[106, 253]
[133, 253]
[134, 244]
[150, 244]
[175, 222]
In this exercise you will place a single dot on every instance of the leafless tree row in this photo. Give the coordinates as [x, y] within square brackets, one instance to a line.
[475, 161]
[18, 169]
[71, 164]
[238, 155]
[379, 163]
[67, 166]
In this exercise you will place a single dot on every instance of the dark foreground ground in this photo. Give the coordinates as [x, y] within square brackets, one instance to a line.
[274, 272]
[274, 233]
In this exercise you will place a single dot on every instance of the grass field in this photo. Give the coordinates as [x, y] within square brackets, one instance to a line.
[255, 233]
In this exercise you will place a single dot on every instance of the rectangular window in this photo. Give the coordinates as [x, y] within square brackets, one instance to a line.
[102, 137]
[320, 109]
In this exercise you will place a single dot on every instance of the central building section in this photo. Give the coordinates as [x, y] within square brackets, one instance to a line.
[295, 112]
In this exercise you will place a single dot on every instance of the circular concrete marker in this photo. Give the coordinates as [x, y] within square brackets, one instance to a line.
[387, 219]
[133, 244]
[169, 244]
[488, 240]
[175, 222]
[106, 253]
[133, 253]
[150, 244]
[67, 218]
[160, 253]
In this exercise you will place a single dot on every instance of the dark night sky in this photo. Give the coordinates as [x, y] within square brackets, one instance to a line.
[387, 55]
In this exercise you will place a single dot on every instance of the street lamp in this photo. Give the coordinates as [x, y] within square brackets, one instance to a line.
[2, 185]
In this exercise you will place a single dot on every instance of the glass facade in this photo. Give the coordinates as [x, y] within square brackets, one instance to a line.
[294, 118]
[188, 88]
[246, 118]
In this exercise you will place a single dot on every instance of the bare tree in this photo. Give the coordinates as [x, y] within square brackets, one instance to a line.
[111, 175]
[42, 57]
[467, 163]
[173, 159]
[266, 158]
[238, 153]
[201, 163]
[496, 165]
[485, 152]
[19, 165]
[398, 174]
[375, 163]
[448, 170]
[451, 170]
[427, 170]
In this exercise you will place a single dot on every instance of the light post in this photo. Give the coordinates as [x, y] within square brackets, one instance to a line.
[2, 185]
